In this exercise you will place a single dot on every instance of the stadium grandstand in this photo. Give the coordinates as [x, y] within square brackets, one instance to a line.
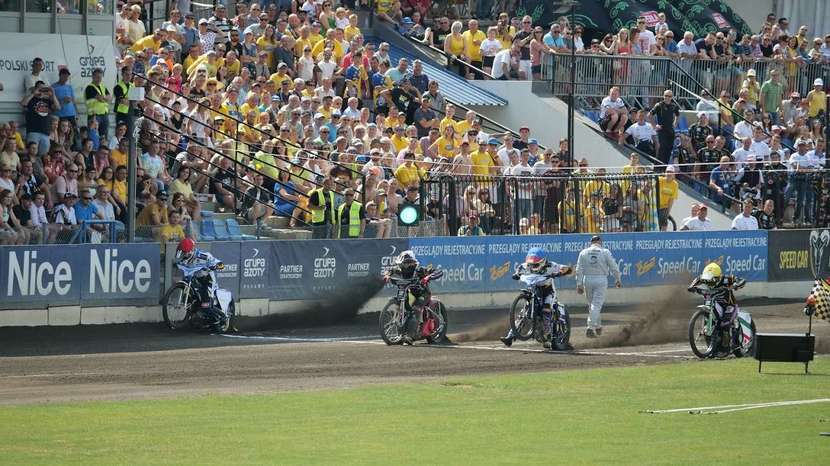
[297, 119]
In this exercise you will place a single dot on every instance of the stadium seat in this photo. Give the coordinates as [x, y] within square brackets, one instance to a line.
[220, 230]
[206, 230]
[235, 232]
[682, 124]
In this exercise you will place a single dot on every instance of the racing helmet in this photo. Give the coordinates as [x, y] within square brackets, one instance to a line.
[535, 259]
[407, 262]
[711, 274]
[185, 250]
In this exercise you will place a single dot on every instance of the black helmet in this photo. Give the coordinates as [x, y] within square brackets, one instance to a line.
[407, 262]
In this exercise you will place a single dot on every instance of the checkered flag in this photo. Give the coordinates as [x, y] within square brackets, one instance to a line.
[821, 294]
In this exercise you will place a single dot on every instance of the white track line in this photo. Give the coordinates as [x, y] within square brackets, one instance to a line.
[360, 339]
[733, 408]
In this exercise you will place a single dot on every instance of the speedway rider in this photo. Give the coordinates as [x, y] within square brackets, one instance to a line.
[536, 263]
[720, 289]
[407, 267]
[205, 279]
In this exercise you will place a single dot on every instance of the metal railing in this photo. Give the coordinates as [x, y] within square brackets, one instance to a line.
[545, 204]
[643, 79]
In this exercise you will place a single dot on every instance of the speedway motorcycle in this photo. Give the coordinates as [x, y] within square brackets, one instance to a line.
[197, 301]
[711, 338]
[406, 319]
[527, 320]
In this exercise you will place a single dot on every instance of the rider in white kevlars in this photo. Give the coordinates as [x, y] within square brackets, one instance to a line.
[206, 284]
[536, 263]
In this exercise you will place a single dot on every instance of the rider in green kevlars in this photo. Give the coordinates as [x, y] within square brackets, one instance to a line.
[720, 289]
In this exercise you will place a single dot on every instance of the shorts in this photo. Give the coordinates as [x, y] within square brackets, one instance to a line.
[524, 65]
[488, 61]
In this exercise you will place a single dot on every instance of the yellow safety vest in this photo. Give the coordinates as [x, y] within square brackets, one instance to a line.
[123, 108]
[95, 106]
[319, 215]
[354, 218]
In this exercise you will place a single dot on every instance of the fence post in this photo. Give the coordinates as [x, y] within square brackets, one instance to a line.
[577, 202]
[515, 228]
[453, 208]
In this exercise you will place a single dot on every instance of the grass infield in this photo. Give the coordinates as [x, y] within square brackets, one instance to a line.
[565, 417]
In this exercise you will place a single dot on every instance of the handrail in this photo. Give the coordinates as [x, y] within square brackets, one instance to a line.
[82, 230]
[236, 140]
[246, 124]
[235, 189]
[447, 57]
[720, 104]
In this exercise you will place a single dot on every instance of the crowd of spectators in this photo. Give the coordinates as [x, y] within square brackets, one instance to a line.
[288, 111]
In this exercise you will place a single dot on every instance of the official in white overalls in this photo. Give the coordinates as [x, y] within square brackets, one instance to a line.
[594, 265]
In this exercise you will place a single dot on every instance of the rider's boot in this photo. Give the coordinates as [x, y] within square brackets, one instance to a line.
[508, 339]
[598, 331]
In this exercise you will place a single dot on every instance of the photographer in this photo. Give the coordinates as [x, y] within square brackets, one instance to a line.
[39, 104]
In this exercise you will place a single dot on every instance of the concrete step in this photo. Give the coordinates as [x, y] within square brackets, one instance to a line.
[249, 230]
[277, 222]
[224, 216]
[208, 205]
[279, 233]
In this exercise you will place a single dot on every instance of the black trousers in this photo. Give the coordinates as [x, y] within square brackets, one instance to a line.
[666, 138]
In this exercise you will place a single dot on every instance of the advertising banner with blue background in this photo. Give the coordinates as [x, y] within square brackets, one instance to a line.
[113, 274]
[476, 264]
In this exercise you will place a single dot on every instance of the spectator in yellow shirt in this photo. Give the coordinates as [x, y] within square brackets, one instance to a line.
[172, 231]
[399, 139]
[152, 42]
[484, 159]
[449, 118]
[352, 30]
[446, 145]
[473, 37]
[817, 99]
[408, 174]
[668, 194]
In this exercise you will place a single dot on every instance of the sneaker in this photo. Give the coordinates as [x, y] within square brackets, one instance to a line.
[598, 331]
[508, 342]
[590, 333]
[568, 347]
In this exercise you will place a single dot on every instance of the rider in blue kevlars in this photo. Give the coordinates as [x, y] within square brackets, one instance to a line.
[205, 280]
[536, 263]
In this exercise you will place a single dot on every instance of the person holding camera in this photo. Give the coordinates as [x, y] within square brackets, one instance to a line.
[39, 105]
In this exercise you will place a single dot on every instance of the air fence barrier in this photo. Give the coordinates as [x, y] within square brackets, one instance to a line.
[101, 276]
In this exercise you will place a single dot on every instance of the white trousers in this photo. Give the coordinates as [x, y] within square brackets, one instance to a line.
[595, 287]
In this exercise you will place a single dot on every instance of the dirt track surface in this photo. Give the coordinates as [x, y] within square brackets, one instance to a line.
[146, 361]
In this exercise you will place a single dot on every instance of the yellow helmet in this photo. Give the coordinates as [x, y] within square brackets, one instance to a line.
[711, 273]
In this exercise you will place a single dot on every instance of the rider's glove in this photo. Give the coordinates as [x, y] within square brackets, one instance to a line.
[808, 310]
[515, 276]
[691, 289]
[424, 281]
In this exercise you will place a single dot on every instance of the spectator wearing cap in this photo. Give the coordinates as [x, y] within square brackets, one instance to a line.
[752, 86]
[817, 100]
[772, 92]
[65, 219]
[66, 97]
[698, 221]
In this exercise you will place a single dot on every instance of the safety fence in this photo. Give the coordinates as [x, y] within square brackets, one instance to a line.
[136, 274]
[643, 79]
[533, 205]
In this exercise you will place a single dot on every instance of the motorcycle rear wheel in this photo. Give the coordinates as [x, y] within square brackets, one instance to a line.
[702, 334]
[521, 323]
[175, 314]
[440, 332]
[390, 331]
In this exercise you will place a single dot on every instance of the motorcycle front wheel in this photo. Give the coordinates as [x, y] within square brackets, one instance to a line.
[440, 332]
[175, 306]
[748, 348]
[561, 334]
[520, 320]
[390, 330]
[701, 333]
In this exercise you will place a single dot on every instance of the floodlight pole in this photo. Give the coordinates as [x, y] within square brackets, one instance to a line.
[571, 102]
